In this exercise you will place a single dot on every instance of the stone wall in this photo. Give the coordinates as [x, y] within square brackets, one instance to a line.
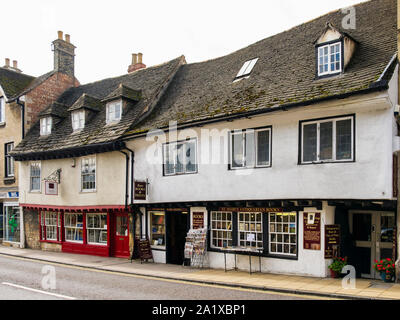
[31, 226]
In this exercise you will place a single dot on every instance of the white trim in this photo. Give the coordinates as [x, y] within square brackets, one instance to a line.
[40, 177]
[95, 174]
[113, 120]
[330, 71]
[166, 148]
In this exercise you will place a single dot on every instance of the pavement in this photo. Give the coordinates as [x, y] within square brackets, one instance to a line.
[365, 289]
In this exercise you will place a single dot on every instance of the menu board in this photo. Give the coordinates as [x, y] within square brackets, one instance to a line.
[198, 220]
[145, 252]
[312, 231]
[332, 241]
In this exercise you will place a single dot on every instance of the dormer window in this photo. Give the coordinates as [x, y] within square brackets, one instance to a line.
[114, 111]
[330, 59]
[45, 126]
[246, 69]
[78, 120]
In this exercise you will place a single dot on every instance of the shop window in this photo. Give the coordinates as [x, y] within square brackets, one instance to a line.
[180, 157]
[35, 177]
[88, 174]
[221, 229]
[251, 149]
[157, 220]
[283, 233]
[330, 140]
[96, 226]
[50, 226]
[250, 230]
[11, 223]
[73, 225]
[9, 160]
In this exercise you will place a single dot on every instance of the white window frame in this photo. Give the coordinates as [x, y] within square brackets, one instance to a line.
[45, 225]
[88, 216]
[2, 110]
[214, 222]
[334, 146]
[167, 146]
[255, 232]
[40, 177]
[73, 227]
[9, 160]
[46, 126]
[246, 69]
[111, 111]
[95, 173]
[78, 120]
[243, 133]
[270, 243]
[330, 71]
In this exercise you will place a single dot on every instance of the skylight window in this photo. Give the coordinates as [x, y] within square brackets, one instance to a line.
[246, 69]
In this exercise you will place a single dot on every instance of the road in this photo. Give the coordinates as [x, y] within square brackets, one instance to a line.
[22, 279]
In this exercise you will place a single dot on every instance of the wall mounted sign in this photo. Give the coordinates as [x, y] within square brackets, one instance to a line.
[140, 190]
[198, 220]
[312, 231]
[51, 188]
[332, 241]
[236, 209]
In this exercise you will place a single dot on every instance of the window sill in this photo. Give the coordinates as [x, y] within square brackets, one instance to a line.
[249, 168]
[325, 162]
[180, 174]
[87, 191]
[50, 241]
[35, 192]
[9, 180]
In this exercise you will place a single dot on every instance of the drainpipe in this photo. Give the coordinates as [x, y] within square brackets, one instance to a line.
[126, 179]
[22, 105]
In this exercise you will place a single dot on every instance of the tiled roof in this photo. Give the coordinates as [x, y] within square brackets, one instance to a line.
[285, 73]
[96, 132]
[13, 83]
[86, 102]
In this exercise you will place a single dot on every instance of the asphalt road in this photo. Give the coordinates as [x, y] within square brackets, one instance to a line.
[22, 279]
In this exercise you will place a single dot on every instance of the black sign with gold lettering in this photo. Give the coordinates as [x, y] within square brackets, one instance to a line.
[140, 190]
[145, 252]
[332, 241]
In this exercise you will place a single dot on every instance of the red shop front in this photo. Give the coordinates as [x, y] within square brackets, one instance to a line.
[99, 231]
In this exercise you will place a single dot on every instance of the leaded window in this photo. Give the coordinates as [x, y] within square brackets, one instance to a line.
[221, 229]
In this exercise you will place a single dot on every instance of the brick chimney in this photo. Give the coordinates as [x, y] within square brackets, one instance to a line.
[64, 55]
[137, 63]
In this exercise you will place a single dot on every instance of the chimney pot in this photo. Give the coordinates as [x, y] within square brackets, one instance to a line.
[60, 35]
[68, 38]
[7, 62]
[15, 64]
[140, 57]
[134, 58]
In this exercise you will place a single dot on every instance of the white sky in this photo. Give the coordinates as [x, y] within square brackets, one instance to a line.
[106, 32]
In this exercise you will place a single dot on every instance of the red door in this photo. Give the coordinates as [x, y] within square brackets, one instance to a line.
[121, 236]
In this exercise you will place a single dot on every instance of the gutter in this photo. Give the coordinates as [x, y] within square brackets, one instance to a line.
[126, 179]
[22, 105]
[374, 87]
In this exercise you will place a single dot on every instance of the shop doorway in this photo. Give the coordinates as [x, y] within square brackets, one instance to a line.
[177, 225]
[120, 235]
[373, 235]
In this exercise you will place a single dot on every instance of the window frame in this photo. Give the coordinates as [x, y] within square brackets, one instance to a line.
[113, 120]
[160, 213]
[296, 234]
[87, 228]
[83, 228]
[43, 226]
[246, 232]
[176, 143]
[244, 72]
[40, 177]
[79, 119]
[329, 44]
[8, 161]
[2, 110]
[231, 230]
[334, 120]
[244, 132]
[95, 174]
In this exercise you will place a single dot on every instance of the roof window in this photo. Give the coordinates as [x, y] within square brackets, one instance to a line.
[246, 69]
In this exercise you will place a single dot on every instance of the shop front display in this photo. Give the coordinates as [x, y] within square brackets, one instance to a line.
[11, 223]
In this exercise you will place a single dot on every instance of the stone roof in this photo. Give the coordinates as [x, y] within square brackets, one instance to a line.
[285, 73]
[13, 83]
[55, 109]
[96, 132]
[87, 102]
[124, 92]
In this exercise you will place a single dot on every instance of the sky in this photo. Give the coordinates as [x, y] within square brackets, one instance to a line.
[106, 33]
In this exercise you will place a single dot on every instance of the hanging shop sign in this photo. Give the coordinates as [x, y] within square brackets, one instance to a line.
[312, 231]
[198, 220]
[140, 190]
[51, 188]
[332, 241]
[235, 209]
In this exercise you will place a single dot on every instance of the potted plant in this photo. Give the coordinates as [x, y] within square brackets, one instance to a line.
[386, 268]
[336, 266]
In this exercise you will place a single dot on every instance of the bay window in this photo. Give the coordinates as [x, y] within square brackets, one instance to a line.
[329, 140]
[251, 148]
[96, 226]
[180, 157]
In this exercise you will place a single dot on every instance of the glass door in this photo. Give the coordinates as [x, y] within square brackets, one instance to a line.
[373, 235]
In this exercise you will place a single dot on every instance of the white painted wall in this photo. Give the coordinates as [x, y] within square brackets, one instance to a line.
[369, 177]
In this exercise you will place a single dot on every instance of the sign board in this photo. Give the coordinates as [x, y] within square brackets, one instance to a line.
[9, 195]
[312, 231]
[198, 220]
[332, 241]
[140, 190]
[237, 209]
[145, 252]
[51, 188]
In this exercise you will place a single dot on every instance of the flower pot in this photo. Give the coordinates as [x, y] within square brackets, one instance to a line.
[388, 278]
[334, 274]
